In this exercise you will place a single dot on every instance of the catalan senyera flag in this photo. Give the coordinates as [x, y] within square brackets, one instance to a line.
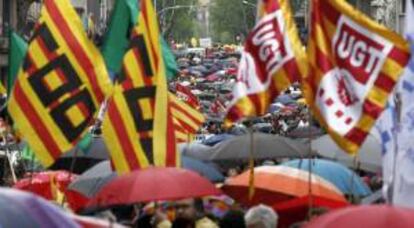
[354, 65]
[272, 59]
[138, 127]
[62, 82]
[187, 120]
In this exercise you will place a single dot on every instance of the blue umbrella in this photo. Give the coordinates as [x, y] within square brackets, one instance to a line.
[285, 99]
[213, 140]
[22, 209]
[202, 168]
[343, 178]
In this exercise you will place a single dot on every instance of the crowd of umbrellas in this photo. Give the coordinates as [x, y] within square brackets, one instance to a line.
[299, 171]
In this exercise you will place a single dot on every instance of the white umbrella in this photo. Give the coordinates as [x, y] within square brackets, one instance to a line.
[266, 146]
[369, 155]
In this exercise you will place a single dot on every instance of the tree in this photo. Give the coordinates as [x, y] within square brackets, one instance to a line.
[177, 19]
[230, 18]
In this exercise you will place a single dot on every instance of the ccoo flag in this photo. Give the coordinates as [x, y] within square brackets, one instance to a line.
[354, 65]
[60, 85]
[272, 59]
[138, 126]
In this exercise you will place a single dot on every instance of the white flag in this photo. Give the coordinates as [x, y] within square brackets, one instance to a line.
[403, 189]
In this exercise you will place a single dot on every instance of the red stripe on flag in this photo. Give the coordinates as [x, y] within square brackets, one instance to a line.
[330, 12]
[385, 82]
[122, 136]
[356, 136]
[171, 153]
[322, 61]
[371, 109]
[75, 47]
[400, 56]
[234, 114]
[183, 111]
[38, 125]
[292, 70]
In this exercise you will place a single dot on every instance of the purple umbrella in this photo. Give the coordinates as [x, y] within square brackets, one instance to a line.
[22, 209]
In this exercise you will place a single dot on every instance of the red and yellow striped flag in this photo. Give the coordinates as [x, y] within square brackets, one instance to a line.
[61, 84]
[272, 59]
[138, 126]
[187, 120]
[355, 64]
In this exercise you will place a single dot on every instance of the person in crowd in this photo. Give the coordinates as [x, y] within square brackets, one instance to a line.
[233, 219]
[261, 216]
[188, 213]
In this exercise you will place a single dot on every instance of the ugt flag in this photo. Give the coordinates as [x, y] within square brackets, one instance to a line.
[354, 65]
[272, 59]
[60, 85]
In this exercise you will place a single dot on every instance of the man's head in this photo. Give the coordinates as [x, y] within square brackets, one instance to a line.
[189, 208]
[261, 216]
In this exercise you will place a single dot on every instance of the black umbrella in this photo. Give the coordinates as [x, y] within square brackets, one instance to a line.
[83, 160]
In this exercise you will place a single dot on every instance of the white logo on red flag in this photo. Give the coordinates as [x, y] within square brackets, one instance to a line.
[266, 50]
[359, 56]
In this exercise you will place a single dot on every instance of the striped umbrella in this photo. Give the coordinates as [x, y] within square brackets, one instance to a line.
[275, 184]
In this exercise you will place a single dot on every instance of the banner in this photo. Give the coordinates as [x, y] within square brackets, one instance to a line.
[272, 59]
[354, 65]
[60, 85]
[138, 126]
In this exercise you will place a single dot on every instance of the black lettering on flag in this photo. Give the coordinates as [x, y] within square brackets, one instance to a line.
[69, 83]
[133, 96]
[138, 42]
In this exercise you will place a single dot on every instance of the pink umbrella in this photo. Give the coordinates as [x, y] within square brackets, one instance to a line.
[153, 184]
[366, 216]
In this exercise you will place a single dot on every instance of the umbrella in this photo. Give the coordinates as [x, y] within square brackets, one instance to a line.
[41, 183]
[46, 184]
[153, 184]
[365, 216]
[22, 209]
[204, 169]
[213, 140]
[305, 132]
[275, 184]
[296, 210]
[343, 178]
[369, 155]
[84, 160]
[285, 99]
[266, 146]
[92, 181]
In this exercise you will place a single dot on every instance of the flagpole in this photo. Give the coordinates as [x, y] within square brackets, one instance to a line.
[390, 190]
[310, 200]
[251, 164]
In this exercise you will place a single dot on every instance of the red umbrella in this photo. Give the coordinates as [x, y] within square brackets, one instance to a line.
[42, 183]
[153, 184]
[296, 210]
[366, 216]
[45, 184]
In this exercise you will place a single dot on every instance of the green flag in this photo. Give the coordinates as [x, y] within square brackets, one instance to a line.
[85, 143]
[27, 153]
[171, 67]
[18, 48]
[123, 18]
